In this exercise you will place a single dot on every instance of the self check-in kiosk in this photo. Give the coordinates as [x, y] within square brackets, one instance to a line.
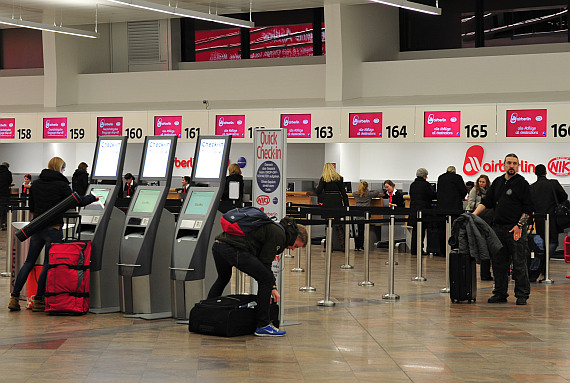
[193, 270]
[146, 241]
[102, 222]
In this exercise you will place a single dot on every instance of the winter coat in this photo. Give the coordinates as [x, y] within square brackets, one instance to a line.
[471, 235]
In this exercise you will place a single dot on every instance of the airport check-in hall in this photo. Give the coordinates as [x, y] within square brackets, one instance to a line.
[159, 99]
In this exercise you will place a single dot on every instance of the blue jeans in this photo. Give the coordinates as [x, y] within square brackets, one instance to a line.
[512, 252]
[225, 257]
[552, 245]
[37, 242]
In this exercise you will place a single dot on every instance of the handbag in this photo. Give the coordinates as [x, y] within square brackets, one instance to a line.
[561, 212]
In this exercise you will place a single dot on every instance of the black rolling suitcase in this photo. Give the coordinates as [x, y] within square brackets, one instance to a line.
[229, 315]
[462, 277]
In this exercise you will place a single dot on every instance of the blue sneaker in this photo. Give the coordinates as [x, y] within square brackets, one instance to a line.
[269, 330]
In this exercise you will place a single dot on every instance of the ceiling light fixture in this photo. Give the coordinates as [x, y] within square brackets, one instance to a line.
[175, 11]
[47, 27]
[411, 6]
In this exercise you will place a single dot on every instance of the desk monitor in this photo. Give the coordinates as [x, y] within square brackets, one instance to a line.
[211, 158]
[146, 200]
[109, 158]
[199, 202]
[158, 156]
[103, 194]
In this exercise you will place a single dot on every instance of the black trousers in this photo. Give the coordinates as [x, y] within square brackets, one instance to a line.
[512, 252]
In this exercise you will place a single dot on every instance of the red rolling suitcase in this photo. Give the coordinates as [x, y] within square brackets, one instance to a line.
[68, 278]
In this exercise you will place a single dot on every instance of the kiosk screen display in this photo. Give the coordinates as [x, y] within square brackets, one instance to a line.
[199, 202]
[210, 157]
[107, 158]
[156, 158]
[146, 201]
[102, 194]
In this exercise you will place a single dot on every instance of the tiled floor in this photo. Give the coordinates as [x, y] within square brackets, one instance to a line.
[423, 337]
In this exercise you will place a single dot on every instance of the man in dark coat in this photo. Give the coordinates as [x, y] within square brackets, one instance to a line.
[542, 192]
[421, 197]
[5, 183]
[451, 192]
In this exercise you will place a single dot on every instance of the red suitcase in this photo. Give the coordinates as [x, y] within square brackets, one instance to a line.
[68, 278]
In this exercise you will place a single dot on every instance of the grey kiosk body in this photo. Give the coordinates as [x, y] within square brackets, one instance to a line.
[192, 268]
[147, 236]
[102, 222]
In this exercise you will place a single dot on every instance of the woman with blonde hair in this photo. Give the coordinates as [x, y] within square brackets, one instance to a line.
[234, 176]
[331, 185]
[48, 190]
[362, 197]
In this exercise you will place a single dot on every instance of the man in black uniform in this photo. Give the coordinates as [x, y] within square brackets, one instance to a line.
[253, 254]
[510, 196]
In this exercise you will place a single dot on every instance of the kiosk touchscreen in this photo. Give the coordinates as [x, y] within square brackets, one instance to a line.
[147, 235]
[192, 267]
[102, 222]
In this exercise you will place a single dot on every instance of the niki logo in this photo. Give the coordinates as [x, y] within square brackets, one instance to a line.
[473, 160]
[559, 166]
[263, 200]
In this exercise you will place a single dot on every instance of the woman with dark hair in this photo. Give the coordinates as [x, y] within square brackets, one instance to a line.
[477, 192]
[26, 185]
[80, 179]
[48, 190]
[394, 197]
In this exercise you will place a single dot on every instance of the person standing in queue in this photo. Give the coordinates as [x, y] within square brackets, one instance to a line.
[542, 193]
[451, 192]
[475, 195]
[48, 190]
[394, 196]
[253, 254]
[421, 197]
[130, 187]
[362, 197]
[5, 184]
[331, 185]
[510, 196]
[80, 179]
[232, 196]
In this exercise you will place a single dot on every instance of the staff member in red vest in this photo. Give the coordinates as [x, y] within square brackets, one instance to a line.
[130, 187]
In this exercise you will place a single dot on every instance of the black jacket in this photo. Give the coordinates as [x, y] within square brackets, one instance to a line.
[80, 181]
[5, 181]
[510, 199]
[542, 192]
[226, 203]
[451, 191]
[50, 189]
[128, 192]
[421, 194]
[334, 193]
[266, 241]
[397, 198]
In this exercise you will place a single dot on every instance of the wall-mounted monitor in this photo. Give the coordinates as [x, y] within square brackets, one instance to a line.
[365, 125]
[158, 158]
[103, 194]
[231, 125]
[7, 128]
[199, 202]
[442, 124]
[211, 158]
[109, 126]
[526, 123]
[297, 125]
[168, 126]
[109, 158]
[146, 200]
[55, 128]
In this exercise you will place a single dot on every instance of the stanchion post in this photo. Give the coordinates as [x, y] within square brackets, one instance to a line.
[391, 296]
[366, 281]
[547, 279]
[327, 301]
[419, 249]
[347, 265]
[308, 286]
[447, 251]
[298, 268]
[9, 243]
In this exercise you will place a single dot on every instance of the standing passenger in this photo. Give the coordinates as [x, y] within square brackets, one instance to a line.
[334, 195]
[451, 192]
[80, 179]
[363, 197]
[421, 197]
[475, 196]
[234, 179]
[510, 195]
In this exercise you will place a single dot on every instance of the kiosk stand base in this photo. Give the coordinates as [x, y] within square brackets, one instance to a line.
[152, 316]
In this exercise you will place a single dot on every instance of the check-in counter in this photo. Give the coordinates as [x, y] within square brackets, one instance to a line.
[301, 198]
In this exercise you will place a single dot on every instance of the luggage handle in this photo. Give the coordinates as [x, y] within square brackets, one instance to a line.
[180, 268]
[128, 265]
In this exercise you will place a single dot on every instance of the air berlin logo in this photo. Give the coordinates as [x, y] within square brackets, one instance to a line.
[559, 166]
[473, 160]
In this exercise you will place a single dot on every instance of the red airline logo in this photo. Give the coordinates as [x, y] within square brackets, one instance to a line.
[263, 200]
[559, 166]
[473, 160]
